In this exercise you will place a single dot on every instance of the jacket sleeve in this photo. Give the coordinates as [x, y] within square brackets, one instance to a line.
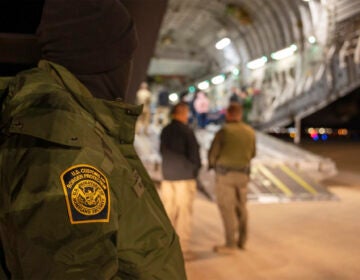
[215, 149]
[37, 230]
[193, 152]
[38, 238]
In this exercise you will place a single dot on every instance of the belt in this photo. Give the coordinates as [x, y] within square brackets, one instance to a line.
[224, 169]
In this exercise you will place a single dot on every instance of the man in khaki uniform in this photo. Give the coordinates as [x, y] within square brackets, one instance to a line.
[230, 154]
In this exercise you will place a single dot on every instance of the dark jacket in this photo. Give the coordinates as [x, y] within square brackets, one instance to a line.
[180, 152]
[76, 201]
[163, 98]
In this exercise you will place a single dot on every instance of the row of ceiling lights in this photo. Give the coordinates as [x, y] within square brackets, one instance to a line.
[217, 80]
[260, 62]
[254, 64]
[279, 55]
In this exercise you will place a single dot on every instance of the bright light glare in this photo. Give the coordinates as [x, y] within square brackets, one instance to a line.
[203, 85]
[257, 63]
[322, 130]
[224, 42]
[312, 40]
[343, 131]
[173, 97]
[218, 79]
[284, 53]
[235, 71]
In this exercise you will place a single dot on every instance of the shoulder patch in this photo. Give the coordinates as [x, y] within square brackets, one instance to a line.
[87, 194]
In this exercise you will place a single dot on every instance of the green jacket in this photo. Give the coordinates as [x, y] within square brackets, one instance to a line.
[76, 201]
[234, 146]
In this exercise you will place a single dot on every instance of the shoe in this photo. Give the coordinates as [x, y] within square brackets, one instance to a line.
[189, 256]
[223, 249]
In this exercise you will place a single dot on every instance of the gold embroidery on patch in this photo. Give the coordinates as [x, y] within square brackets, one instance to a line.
[88, 198]
[87, 194]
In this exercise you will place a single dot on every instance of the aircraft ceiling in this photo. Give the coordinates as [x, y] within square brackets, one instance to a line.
[190, 29]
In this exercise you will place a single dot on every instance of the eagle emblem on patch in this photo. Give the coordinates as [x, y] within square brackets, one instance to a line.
[87, 194]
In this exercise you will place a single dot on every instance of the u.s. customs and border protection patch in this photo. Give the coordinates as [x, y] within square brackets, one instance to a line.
[87, 194]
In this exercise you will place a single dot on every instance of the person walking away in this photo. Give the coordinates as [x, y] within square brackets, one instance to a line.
[230, 154]
[180, 166]
[143, 97]
[76, 201]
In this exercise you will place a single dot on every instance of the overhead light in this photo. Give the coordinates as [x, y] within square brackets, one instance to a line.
[257, 63]
[235, 71]
[217, 80]
[284, 53]
[312, 40]
[173, 97]
[224, 42]
[191, 89]
[203, 85]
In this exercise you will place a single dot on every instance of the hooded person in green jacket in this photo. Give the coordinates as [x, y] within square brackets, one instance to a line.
[76, 202]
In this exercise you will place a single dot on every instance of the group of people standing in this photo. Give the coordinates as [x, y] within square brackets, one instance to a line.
[199, 103]
[199, 107]
[245, 98]
[230, 154]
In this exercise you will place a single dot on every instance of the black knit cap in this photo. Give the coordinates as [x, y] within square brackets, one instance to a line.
[87, 36]
[20, 16]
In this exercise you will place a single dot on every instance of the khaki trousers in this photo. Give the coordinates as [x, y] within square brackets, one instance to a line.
[178, 198]
[231, 191]
[143, 122]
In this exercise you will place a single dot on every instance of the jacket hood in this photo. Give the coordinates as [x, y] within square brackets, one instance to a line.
[86, 36]
[93, 39]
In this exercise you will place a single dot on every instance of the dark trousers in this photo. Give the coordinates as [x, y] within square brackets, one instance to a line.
[202, 120]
